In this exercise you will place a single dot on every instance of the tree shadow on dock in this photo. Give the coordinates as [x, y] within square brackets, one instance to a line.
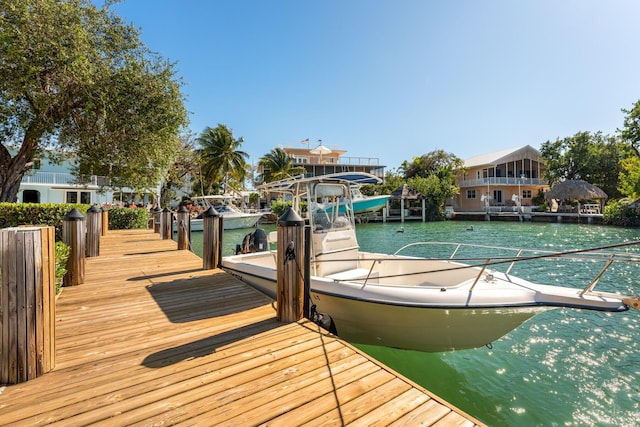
[163, 274]
[162, 251]
[208, 345]
[207, 296]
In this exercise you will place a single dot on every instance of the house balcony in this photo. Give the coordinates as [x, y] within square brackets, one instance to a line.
[344, 164]
[67, 179]
[501, 181]
[368, 161]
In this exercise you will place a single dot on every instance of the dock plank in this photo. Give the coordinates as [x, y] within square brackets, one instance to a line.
[151, 338]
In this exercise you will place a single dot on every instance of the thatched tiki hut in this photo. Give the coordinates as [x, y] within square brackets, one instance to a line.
[577, 189]
[408, 197]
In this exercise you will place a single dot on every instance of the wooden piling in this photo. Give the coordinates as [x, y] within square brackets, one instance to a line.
[166, 224]
[290, 268]
[156, 212]
[94, 218]
[184, 228]
[27, 303]
[211, 238]
[105, 221]
[75, 236]
[307, 272]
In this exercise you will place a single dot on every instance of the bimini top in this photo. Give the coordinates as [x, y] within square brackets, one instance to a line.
[352, 178]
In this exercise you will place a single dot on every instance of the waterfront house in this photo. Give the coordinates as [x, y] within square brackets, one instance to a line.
[52, 181]
[500, 180]
[323, 160]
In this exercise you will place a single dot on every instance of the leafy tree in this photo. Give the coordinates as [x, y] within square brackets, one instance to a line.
[592, 157]
[184, 167]
[431, 163]
[631, 131]
[223, 163]
[392, 181]
[277, 165]
[74, 77]
[431, 187]
[566, 158]
[434, 175]
[629, 177]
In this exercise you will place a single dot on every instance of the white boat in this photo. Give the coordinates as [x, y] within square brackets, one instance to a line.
[426, 304]
[232, 217]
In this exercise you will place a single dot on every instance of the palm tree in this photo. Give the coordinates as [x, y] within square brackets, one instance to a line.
[278, 165]
[220, 157]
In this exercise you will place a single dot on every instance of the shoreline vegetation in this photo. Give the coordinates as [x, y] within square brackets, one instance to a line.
[622, 213]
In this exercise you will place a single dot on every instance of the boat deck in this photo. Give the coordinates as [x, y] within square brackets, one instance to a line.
[151, 338]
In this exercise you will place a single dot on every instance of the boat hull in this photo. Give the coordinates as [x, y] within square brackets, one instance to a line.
[419, 328]
[422, 329]
[229, 222]
[367, 204]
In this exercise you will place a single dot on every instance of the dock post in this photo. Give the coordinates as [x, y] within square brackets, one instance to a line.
[166, 224]
[219, 240]
[75, 236]
[94, 216]
[157, 212]
[184, 228]
[105, 221]
[307, 272]
[290, 267]
[27, 303]
[211, 238]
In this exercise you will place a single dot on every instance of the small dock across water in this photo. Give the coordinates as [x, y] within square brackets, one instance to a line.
[151, 338]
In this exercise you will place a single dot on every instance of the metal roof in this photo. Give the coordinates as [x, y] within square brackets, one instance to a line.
[503, 156]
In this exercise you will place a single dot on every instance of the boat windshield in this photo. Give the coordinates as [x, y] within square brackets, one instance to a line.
[325, 210]
[222, 208]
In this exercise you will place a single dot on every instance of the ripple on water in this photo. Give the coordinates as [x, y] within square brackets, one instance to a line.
[561, 368]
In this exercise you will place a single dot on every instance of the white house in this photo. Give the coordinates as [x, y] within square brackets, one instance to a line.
[50, 182]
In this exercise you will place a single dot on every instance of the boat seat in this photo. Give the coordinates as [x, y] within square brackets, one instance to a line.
[272, 237]
[355, 274]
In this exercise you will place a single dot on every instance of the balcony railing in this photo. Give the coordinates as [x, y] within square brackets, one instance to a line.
[502, 181]
[368, 161]
[59, 178]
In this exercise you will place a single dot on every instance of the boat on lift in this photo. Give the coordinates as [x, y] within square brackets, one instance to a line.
[361, 203]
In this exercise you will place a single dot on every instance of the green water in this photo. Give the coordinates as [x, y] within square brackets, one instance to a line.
[562, 368]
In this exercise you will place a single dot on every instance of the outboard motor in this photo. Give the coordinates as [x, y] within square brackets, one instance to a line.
[253, 242]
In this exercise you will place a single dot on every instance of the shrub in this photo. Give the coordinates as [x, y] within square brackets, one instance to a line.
[15, 214]
[62, 255]
[279, 207]
[127, 218]
[621, 213]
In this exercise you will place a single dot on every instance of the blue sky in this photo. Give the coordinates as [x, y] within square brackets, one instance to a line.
[395, 79]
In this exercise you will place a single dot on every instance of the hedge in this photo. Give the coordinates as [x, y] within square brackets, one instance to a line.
[128, 218]
[622, 213]
[15, 214]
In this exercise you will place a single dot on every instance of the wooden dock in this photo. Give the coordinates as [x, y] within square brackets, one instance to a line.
[151, 338]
